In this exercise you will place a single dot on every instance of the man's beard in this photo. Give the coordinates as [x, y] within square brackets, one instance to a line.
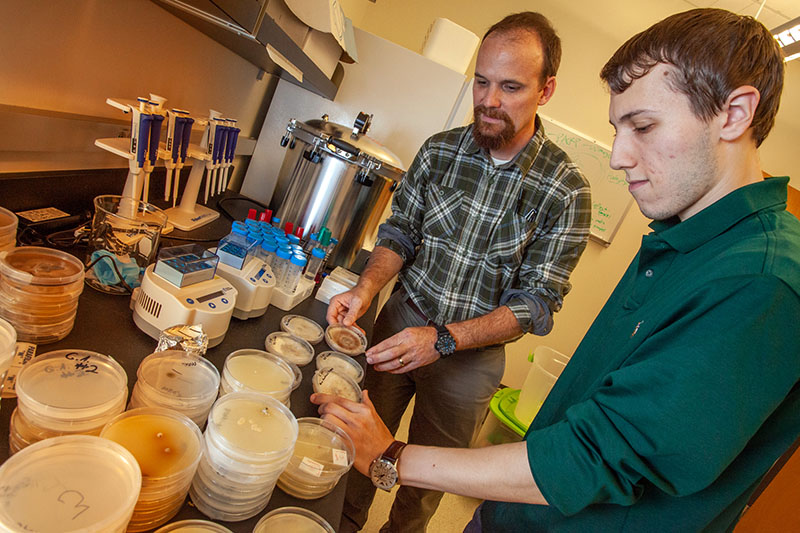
[492, 141]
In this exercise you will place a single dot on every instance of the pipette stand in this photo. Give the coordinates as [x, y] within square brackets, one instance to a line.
[189, 215]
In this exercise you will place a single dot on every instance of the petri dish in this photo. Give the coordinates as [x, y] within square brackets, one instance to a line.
[164, 442]
[292, 348]
[259, 371]
[322, 454]
[347, 340]
[84, 483]
[8, 345]
[33, 265]
[8, 222]
[178, 379]
[341, 363]
[329, 381]
[287, 519]
[71, 389]
[252, 427]
[193, 526]
[302, 327]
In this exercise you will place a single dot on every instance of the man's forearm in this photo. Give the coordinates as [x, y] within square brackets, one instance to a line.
[499, 473]
[382, 266]
[498, 326]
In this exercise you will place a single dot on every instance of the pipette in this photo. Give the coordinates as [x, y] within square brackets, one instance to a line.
[185, 138]
[230, 150]
[219, 154]
[152, 152]
[172, 145]
[212, 133]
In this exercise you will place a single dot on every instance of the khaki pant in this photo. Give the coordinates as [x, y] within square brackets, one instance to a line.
[452, 396]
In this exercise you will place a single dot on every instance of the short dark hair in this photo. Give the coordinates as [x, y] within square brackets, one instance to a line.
[537, 24]
[713, 51]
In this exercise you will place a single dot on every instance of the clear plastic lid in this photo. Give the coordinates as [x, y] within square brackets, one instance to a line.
[8, 221]
[330, 381]
[302, 327]
[322, 449]
[164, 442]
[288, 519]
[182, 378]
[8, 344]
[342, 363]
[259, 371]
[71, 385]
[193, 526]
[347, 340]
[286, 345]
[69, 484]
[41, 266]
[252, 426]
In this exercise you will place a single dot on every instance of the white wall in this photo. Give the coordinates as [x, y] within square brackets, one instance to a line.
[67, 57]
[590, 31]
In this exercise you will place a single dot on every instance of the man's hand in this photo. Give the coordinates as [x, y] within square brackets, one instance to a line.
[404, 351]
[349, 306]
[361, 423]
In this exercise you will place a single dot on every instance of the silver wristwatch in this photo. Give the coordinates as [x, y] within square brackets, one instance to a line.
[383, 470]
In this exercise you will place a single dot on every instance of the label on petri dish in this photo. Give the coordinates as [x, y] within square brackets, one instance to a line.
[25, 352]
[310, 466]
[339, 457]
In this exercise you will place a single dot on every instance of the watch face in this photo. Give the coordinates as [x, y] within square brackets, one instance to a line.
[383, 474]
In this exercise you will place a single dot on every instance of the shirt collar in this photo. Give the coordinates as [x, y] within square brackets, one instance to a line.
[523, 160]
[721, 215]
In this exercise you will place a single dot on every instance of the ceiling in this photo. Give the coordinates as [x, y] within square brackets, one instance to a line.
[774, 13]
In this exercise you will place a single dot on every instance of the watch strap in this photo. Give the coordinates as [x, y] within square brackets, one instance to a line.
[445, 343]
[394, 450]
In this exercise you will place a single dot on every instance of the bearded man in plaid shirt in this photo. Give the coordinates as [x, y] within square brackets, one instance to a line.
[486, 227]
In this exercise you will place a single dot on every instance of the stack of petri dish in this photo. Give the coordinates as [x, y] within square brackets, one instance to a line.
[341, 363]
[259, 371]
[39, 290]
[176, 380]
[322, 455]
[8, 345]
[69, 484]
[248, 442]
[66, 392]
[287, 519]
[8, 229]
[291, 348]
[330, 381]
[168, 446]
[193, 526]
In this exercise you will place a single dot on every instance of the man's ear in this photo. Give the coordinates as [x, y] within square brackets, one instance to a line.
[738, 112]
[548, 89]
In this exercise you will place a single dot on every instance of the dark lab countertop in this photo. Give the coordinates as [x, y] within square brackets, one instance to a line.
[104, 324]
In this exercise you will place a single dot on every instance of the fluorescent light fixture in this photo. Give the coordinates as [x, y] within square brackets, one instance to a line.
[788, 37]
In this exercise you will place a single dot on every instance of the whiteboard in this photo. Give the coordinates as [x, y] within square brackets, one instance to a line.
[610, 196]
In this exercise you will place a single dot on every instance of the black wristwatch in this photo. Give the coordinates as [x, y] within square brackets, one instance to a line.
[383, 470]
[445, 343]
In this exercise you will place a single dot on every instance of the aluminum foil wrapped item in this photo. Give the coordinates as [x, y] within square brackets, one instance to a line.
[191, 339]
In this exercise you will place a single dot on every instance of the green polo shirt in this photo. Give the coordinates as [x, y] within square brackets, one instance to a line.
[683, 392]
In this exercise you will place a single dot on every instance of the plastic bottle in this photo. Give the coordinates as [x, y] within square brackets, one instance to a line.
[276, 222]
[310, 243]
[281, 263]
[314, 263]
[292, 275]
[330, 248]
[293, 239]
[288, 228]
[268, 249]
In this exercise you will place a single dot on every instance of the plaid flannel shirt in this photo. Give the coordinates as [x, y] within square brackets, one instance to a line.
[475, 236]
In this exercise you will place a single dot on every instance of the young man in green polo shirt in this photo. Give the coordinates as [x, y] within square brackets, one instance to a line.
[684, 391]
